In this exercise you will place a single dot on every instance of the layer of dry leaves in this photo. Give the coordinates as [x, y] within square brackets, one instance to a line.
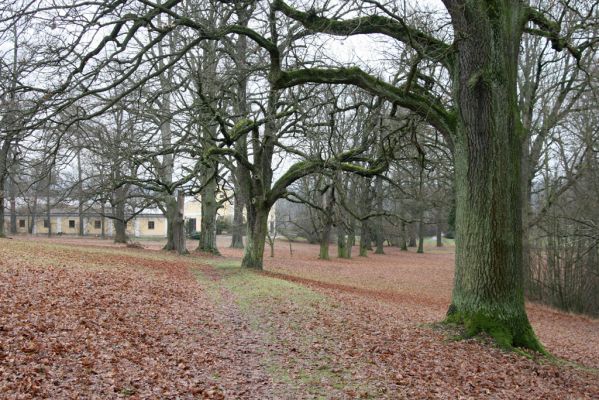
[86, 319]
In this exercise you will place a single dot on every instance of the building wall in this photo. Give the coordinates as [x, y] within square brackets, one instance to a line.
[138, 227]
[160, 226]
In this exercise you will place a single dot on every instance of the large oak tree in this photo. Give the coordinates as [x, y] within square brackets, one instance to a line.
[483, 125]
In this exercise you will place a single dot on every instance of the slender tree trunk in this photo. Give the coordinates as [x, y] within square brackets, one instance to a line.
[179, 225]
[439, 234]
[488, 290]
[257, 227]
[103, 219]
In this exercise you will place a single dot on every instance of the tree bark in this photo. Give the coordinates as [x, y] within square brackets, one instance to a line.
[171, 210]
[257, 227]
[488, 293]
[120, 227]
[208, 221]
[325, 240]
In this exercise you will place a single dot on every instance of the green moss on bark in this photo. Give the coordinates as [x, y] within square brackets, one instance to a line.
[508, 334]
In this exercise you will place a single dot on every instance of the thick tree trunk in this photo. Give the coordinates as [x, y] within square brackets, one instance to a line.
[120, 228]
[257, 228]
[208, 223]
[488, 293]
[325, 240]
[237, 228]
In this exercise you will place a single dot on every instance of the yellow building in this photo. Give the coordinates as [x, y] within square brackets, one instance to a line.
[147, 224]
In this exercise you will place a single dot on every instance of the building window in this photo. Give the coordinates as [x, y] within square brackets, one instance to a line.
[72, 223]
[46, 223]
[21, 223]
[150, 224]
[97, 224]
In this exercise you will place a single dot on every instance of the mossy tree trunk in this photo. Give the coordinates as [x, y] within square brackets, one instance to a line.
[257, 229]
[325, 240]
[488, 290]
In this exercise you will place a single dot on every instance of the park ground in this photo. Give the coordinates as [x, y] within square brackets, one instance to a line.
[89, 319]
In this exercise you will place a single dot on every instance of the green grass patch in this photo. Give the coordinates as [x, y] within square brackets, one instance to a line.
[282, 312]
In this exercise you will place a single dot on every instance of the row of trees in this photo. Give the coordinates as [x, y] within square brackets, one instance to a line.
[463, 113]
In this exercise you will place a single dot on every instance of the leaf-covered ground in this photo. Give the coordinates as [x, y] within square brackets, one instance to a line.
[85, 319]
